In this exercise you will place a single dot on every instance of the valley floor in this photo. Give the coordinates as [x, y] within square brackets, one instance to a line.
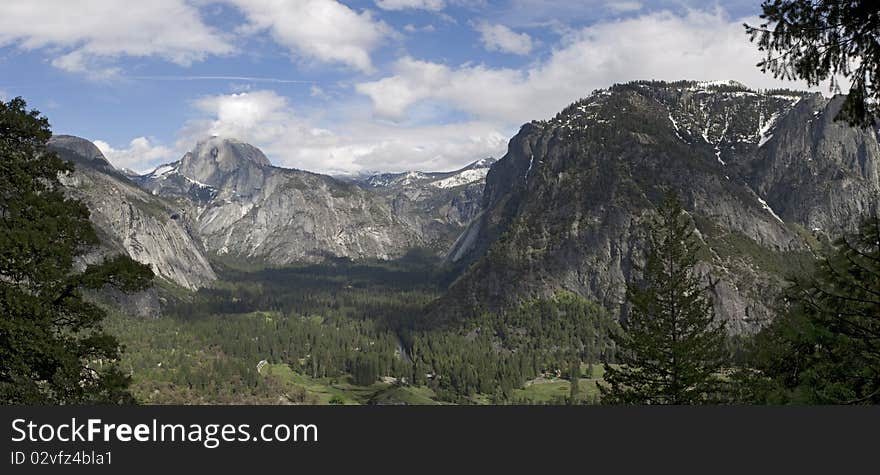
[163, 373]
[341, 333]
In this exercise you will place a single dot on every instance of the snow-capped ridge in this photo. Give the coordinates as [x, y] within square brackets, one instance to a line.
[464, 178]
[472, 173]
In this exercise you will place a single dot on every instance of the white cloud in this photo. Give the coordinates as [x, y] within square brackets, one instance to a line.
[317, 91]
[267, 120]
[325, 30]
[140, 156]
[699, 45]
[624, 6]
[488, 102]
[502, 38]
[410, 28]
[245, 113]
[431, 5]
[80, 62]
[85, 34]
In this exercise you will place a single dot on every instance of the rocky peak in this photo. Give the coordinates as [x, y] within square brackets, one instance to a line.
[78, 150]
[129, 220]
[221, 163]
[723, 116]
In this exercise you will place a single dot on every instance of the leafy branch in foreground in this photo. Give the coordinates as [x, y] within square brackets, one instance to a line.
[817, 40]
[52, 347]
[825, 348]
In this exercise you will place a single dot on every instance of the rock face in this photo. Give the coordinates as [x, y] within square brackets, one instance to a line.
[766, 177]
[817, 172]
[130, 220]
[437, 205]
[225, 199]
[243, 208]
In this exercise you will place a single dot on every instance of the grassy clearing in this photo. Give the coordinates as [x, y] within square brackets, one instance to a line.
[335, 391]
[413, 396]
[555, 390]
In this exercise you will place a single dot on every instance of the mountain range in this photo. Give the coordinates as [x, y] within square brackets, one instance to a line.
[224, 201]
[768, 178]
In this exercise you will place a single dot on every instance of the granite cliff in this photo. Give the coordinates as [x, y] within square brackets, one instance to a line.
[767, 177]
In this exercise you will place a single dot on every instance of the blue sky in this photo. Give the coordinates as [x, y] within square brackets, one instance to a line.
[348, 85]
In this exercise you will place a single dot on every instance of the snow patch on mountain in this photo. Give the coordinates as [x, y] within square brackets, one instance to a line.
[765, 133]
[162, 170]
[769, 209]
[475, 172]
[464, 178]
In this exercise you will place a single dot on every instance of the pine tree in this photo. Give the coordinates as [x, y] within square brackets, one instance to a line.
[574, 374]
[673, 349]
[816, 40]
[52, 347]
[825, 349]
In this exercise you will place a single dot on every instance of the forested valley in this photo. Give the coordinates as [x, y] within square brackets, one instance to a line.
[361, 333]
[344, 332]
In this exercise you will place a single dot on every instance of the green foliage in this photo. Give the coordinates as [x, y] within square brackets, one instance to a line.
[816, 40]
[214, 360]
[389, 293]
[327, 323]
[574, 376]
[673, 351]
[560, 330]
[498, 352]
[731, 244]
[339, 328]
[825, 347]
[365, 370]
[52, 347]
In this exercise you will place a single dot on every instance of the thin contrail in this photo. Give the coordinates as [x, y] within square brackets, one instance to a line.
[221, 78]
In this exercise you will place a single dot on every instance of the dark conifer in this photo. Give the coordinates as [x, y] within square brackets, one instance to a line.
[673, 349]
[574, 374]
[825, 349]
[52, 347]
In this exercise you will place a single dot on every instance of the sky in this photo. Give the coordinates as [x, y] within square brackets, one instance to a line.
[349, 86]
